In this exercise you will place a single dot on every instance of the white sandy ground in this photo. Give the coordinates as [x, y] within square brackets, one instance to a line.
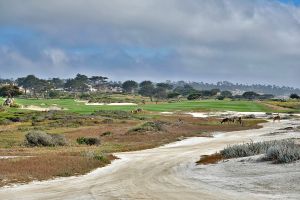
[167, 113]
[233, 113]
[169, 172]
[7, 157]
[111, 104]
[101, 104]
[38, 108]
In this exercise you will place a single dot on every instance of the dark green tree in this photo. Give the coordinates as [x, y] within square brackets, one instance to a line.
[10, 91]
[250, 95]
[147, 89]
[226, 94]
[129, 86]
[78, 84]
[28, 83]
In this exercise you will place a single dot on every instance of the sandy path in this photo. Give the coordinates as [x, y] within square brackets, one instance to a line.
[158, 173]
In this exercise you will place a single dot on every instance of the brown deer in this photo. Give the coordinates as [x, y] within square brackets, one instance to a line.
[139, 110]
[228, 120]
[239, 120]
[276, 118]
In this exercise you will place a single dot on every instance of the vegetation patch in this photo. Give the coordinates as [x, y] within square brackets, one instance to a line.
[277, 151]
[21, 170]
[154, 126]
[210, 159]
[283, 152]
[41, 138]
[116, 114]
[107, 133]
[88, 141]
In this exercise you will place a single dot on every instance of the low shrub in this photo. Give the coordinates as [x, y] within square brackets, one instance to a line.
[59, 140]
[247, 149]
[107, 133]
[116, 114]
[284, 152]
[88, 141]
[194, 96]
[41, 138]
[150, 126]
[96, 156]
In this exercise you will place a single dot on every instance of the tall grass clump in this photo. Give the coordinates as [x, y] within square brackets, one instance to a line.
[247, 149]
[88, 141]
[41, 138]
[283, 152]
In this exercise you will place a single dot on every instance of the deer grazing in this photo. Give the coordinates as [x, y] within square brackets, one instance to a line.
[276, 118]
[139, 110]
[228, 120]
[232, 120]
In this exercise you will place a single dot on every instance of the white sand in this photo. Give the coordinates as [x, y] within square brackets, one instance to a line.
[38, 108]
[122, 104]
[232, 114]
[94, 104]
[169, 172]
[111, 104]
[167, 113]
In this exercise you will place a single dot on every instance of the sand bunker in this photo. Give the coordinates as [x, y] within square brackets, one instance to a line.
[167, 113]
[86, 102]
[38, 108]
[111, 104]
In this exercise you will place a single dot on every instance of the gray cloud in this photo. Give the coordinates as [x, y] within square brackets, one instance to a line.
[236, 40]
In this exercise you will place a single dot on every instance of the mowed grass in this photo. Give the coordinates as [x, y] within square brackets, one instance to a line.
[203, 105]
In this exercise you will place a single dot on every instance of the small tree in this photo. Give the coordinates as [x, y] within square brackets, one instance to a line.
[129, 86]
[10, 91]
[214, 92]
[194, 96]
[226, 94]
[147, 89]
[250, 95]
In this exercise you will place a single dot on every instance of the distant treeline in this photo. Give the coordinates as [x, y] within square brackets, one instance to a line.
[56, 87]
[258, 88]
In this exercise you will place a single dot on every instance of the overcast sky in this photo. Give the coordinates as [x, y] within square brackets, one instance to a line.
[246, 41]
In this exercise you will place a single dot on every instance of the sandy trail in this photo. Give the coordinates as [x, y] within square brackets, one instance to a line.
[159, 173]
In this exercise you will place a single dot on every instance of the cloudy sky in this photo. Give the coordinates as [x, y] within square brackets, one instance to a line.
[246, 41]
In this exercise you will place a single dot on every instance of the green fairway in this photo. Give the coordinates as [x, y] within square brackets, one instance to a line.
[204, 105]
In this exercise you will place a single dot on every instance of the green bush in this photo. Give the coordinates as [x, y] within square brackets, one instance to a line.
[88, 141]
[40, 138]
[150, 126]
[194, 96]
[97, 156]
